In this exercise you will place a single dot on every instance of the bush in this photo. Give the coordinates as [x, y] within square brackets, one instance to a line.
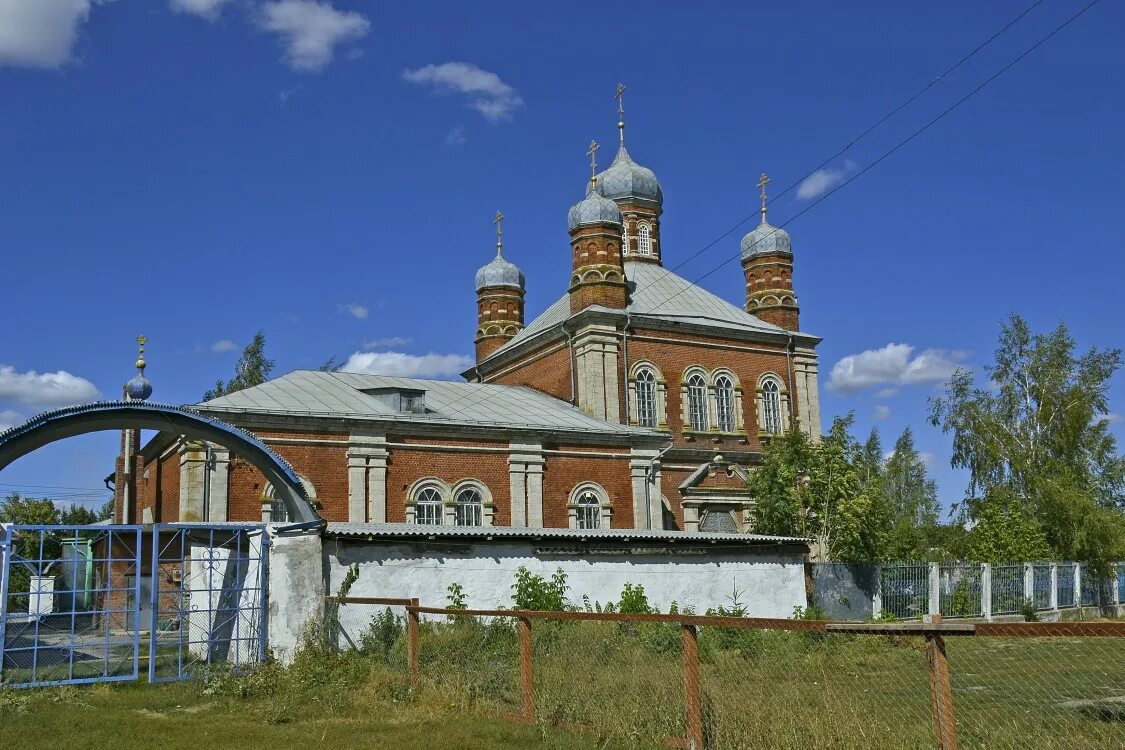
[382, 634]
[537, 593]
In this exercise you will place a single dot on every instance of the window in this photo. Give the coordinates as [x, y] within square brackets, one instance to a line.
[468, 508]
[724, 403]
[646, 398]
[644, 244]
[625, 240]
[589, 512]
[697, 402]
[427, 506]
[771, 406]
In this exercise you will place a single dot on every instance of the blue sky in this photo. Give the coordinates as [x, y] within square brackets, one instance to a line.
[198, 169]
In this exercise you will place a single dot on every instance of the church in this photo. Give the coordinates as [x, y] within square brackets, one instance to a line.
[636, 401]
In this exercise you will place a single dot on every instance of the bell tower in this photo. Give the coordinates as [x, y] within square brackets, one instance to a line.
[500, 293]
[767, 263]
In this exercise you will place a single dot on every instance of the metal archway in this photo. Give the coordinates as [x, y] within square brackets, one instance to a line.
[51, 426]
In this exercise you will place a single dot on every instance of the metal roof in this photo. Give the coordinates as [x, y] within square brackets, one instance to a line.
[656, 292]
[413, 530]
[341, 395]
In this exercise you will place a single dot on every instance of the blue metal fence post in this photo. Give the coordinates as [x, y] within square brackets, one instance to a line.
[138, 555]
[155, 602]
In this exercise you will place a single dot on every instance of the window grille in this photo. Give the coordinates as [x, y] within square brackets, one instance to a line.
[644, 241]
[427, 506]
[646, 398]
[771, 407]
[724, 401]
[589, 512]
[697, 403]
[468, 510]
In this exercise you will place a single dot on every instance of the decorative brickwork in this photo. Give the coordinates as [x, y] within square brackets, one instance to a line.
[499, 318]
[769, 289]
[599, 275]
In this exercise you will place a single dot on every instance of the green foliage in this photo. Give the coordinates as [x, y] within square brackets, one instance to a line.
[534, 592]
[382, 634]
[811, 612]
[912, 503]
[253, 368]
[1043, 466]
[1027, 609]
[830, 491]
[634, 601]
[455, 598]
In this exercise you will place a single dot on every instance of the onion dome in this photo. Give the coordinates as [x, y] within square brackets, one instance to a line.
[138, 388]
[500, 272]
[595, 208]
[766, 239]
[624, 179]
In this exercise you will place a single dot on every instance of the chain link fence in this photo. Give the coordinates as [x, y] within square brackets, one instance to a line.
[728, 683]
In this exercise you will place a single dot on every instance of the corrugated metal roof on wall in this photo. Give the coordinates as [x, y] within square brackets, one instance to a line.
[408, 530]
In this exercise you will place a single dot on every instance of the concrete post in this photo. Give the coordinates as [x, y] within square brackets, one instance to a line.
[296, 590]
[986, 591]
[1077, 585]
[935, 589]
[1054, 586]
[877, 596]
[1028, 582]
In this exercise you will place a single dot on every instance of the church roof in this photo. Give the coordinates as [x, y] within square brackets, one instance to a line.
[656, 292]
[314, 393]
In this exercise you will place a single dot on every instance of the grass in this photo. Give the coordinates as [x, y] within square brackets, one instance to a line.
[624, 683]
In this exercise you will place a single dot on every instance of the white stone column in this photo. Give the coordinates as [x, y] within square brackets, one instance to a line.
[192, 460]
[806, 385]
[1054, 585]
[367, 477]
[877, 596]
[986, 591]
[1028, 582]
[935, 589]
[647, 507]
[525, 475]
[596, 357]
[219, 487]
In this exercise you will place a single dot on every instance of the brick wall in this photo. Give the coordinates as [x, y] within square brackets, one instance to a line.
[406, 466]
[562, 473]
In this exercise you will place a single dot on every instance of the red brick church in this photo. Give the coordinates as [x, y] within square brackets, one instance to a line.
[637, 400]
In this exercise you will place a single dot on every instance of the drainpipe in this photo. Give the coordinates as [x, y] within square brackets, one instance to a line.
[208, 467]
[625, 352]
[649, 476]
[570, 362]
[792, 390]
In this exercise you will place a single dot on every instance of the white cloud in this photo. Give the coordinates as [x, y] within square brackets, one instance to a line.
[822, 180]
[1111, 418]
[929, 460]
[882, 411]
[487, 94]
[892, 365]
[9, 419]
[354, 309]
[387, 342]
[455, 136]
[43, 390]
[311, 30]
[408, 365]
[223, 345]
[887, 393]
[208, 9]
[41, 33]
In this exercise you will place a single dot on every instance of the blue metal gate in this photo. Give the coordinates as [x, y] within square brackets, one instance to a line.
[94, 603]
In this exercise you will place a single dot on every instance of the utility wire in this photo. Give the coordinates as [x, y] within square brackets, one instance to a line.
[899, 145]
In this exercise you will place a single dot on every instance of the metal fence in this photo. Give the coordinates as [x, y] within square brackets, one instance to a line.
[960, 587]
[905, 589]
[1066, 591]
[1007, 588]
[723, 683]
[102, 603]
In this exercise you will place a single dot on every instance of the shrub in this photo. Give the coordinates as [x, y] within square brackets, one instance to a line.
[534, 592]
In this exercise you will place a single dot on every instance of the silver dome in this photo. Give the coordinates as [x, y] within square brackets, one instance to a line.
[624, 178]
[138, 389]
[500, 272]
[766, 240]
[593, 209]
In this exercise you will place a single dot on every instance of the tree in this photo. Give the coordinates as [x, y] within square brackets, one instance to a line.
[829, 491]
[253, 368]
[912, 502]
[1036, 443]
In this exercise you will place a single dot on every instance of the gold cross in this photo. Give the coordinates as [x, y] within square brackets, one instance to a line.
[499, 221]
[762, 182]
[141, 341]
[592, 152]
[620, 100]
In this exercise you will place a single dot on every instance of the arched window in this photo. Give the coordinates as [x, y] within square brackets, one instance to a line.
[724, 403]
[468, 508]
[273, 507]
[771, 406]
[644, 243]
[589, 511]
[646, 398]
[697, 402]
[428, 506]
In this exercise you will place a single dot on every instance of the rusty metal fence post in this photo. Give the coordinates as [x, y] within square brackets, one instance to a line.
[527, 681]
[412, 659]
[941, 693]
[693, 696]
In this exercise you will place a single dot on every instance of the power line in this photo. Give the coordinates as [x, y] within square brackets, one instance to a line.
[899, 145]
